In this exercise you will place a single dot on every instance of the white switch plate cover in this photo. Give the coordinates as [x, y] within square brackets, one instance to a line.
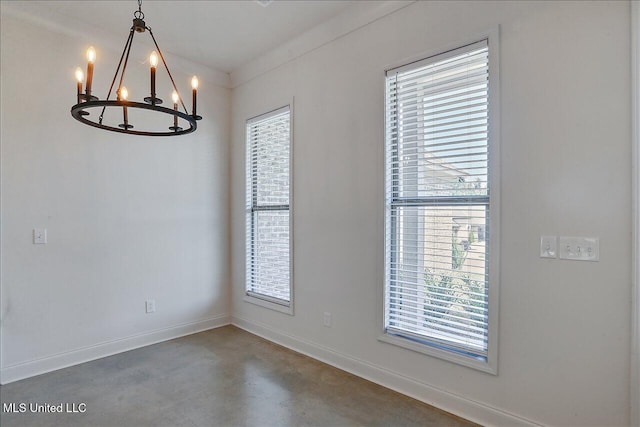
[150, 306]
[580, 248]
[39, 236]
[548, 247]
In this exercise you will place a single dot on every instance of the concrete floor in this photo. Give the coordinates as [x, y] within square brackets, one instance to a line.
[221, 377]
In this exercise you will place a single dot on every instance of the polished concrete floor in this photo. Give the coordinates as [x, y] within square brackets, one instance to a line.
[221, 377]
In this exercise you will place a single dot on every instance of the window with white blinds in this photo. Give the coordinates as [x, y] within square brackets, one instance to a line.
[438, 202]
[267, 207]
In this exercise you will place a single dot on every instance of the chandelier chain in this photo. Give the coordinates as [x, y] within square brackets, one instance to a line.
[138, 13]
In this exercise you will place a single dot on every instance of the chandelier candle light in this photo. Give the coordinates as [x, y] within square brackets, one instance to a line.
[86, 101]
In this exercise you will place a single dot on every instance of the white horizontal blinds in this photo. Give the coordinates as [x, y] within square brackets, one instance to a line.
[438, 200]
[268, 179]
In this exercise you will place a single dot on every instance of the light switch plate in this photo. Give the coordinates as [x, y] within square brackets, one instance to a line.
[548, 247]
[39, 236]
[580, 248]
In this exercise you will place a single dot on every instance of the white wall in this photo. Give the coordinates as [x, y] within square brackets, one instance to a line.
[128, 218]
[566, 170]
[635, 327]
[132, 218]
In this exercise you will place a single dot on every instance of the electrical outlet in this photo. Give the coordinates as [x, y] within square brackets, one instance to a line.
[326, 321]
[39, 236]
[150, 306]
[580, 248]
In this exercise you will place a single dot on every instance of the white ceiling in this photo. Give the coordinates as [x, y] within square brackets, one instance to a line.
[222, 35]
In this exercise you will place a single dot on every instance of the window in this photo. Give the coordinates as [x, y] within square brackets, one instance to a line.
[439, 206]
[268, 236]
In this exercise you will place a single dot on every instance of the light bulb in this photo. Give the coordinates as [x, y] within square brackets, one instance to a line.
[91, 54]
[194, 82]
[175, 97]
[79, 75]
[124, 93]
[153, 59]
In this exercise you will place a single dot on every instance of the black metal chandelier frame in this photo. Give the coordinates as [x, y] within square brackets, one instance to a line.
[86, 100]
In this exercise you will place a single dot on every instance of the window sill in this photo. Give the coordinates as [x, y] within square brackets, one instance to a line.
[286, 309]
[484, 366]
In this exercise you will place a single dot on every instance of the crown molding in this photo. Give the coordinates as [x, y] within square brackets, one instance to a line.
[352, 19]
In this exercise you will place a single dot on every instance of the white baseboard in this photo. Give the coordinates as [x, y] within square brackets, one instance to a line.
[43, 365]
[478, 412]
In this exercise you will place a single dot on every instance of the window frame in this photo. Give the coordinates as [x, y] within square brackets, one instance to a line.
[253, 297]
[490, 365]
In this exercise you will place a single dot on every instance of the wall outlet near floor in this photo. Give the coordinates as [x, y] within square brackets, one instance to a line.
[39, 236]
[326, 320]
[150, 306]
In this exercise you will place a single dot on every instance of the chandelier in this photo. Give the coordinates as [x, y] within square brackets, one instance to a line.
[180, 121]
